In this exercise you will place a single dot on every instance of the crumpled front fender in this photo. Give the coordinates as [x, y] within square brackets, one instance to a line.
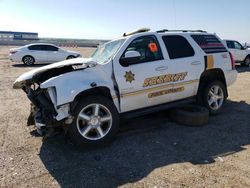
[69, 85]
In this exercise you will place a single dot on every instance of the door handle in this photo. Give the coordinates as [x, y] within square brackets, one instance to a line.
[196, 63]
[161, 68]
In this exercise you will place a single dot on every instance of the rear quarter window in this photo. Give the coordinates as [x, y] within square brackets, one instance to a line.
[209, 43]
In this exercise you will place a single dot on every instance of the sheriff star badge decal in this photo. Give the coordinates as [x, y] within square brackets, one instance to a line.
[129, 76]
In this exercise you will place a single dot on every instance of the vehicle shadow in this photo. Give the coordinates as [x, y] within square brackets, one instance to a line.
[241, 69]
[147, 143]
[25, 66]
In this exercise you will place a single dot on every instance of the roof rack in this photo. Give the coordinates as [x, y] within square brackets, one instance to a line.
[136, 31]
[166, 30]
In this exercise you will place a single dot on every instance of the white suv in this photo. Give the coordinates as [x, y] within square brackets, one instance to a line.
[40, 53]
[241, 54]
[138, 73]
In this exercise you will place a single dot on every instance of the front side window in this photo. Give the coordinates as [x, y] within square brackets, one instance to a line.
[237, 45]
[51, 48]
[148, 48]
[177, 46]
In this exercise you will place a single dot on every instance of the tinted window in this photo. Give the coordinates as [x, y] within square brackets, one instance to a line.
[230, 44]
[237, 45]
[51, 48]
[177, 46]
[147, 46]
[36, 47]
[209, 43]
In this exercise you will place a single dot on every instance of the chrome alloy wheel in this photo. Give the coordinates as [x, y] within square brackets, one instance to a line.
[215, 97]
[28, 60]
[247, 61]
[94, 121]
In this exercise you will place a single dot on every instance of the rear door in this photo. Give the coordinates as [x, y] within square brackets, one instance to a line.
[183, 60]
[230, 45]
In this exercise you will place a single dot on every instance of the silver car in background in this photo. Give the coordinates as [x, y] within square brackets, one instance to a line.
[41, 53]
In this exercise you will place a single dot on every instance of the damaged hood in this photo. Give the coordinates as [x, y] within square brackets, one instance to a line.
[77, 63]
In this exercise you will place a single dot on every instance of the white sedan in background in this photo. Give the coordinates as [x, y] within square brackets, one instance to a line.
[241, 54]
[40, 53]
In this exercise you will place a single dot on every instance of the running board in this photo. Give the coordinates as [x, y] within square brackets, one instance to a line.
[145, 111]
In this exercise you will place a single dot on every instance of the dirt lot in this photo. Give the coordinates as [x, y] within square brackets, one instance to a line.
[150, 151]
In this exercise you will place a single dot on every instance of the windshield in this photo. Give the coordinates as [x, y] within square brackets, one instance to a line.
[106, 51]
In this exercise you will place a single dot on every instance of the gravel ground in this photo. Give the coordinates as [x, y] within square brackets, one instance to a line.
[150, 151]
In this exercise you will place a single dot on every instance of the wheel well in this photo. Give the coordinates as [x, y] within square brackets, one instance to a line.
[28, 56]
[248, 55]
[103, 91]
[70, 56]
[209, 76]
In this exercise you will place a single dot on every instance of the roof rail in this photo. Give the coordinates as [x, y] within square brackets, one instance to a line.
[136, 31]
[166, 30]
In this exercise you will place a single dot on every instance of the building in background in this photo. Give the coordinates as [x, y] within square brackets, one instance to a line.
[12, 36]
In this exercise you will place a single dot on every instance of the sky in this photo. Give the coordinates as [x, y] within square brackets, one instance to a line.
[107, 19]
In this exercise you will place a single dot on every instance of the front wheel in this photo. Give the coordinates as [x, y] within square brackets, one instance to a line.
[71, 57]
[247, 61]
[214, 96]
[96, 121]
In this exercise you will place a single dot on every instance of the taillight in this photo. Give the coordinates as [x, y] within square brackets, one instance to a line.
[13, 51]
[232, 60]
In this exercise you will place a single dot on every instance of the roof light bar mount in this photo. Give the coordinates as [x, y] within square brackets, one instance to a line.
[136, 31]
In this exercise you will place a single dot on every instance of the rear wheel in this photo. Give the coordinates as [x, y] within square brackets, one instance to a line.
[96, 121]
[28, 60]
[214, 96]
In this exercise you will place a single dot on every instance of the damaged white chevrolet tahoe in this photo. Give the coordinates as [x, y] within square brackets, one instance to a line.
[136, 74]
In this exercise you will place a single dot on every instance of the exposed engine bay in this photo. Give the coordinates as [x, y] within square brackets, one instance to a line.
[45, 113]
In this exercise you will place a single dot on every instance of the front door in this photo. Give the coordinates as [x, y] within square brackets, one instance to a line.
[138, 83]
[53, 54]
[239, 53]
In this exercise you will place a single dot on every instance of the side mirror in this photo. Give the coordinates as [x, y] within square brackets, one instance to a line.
[131, 57]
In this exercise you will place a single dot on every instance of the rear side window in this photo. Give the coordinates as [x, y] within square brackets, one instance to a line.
[230, 44]
[177, 46]
[209, 43]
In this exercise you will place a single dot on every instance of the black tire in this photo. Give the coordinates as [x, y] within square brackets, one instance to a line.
[247, 61]
[28, 60]
[190, 115]
[206, 97]
[71, 57]
[74, 129]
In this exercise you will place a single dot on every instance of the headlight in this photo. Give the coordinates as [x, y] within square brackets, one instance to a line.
[19, 84]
